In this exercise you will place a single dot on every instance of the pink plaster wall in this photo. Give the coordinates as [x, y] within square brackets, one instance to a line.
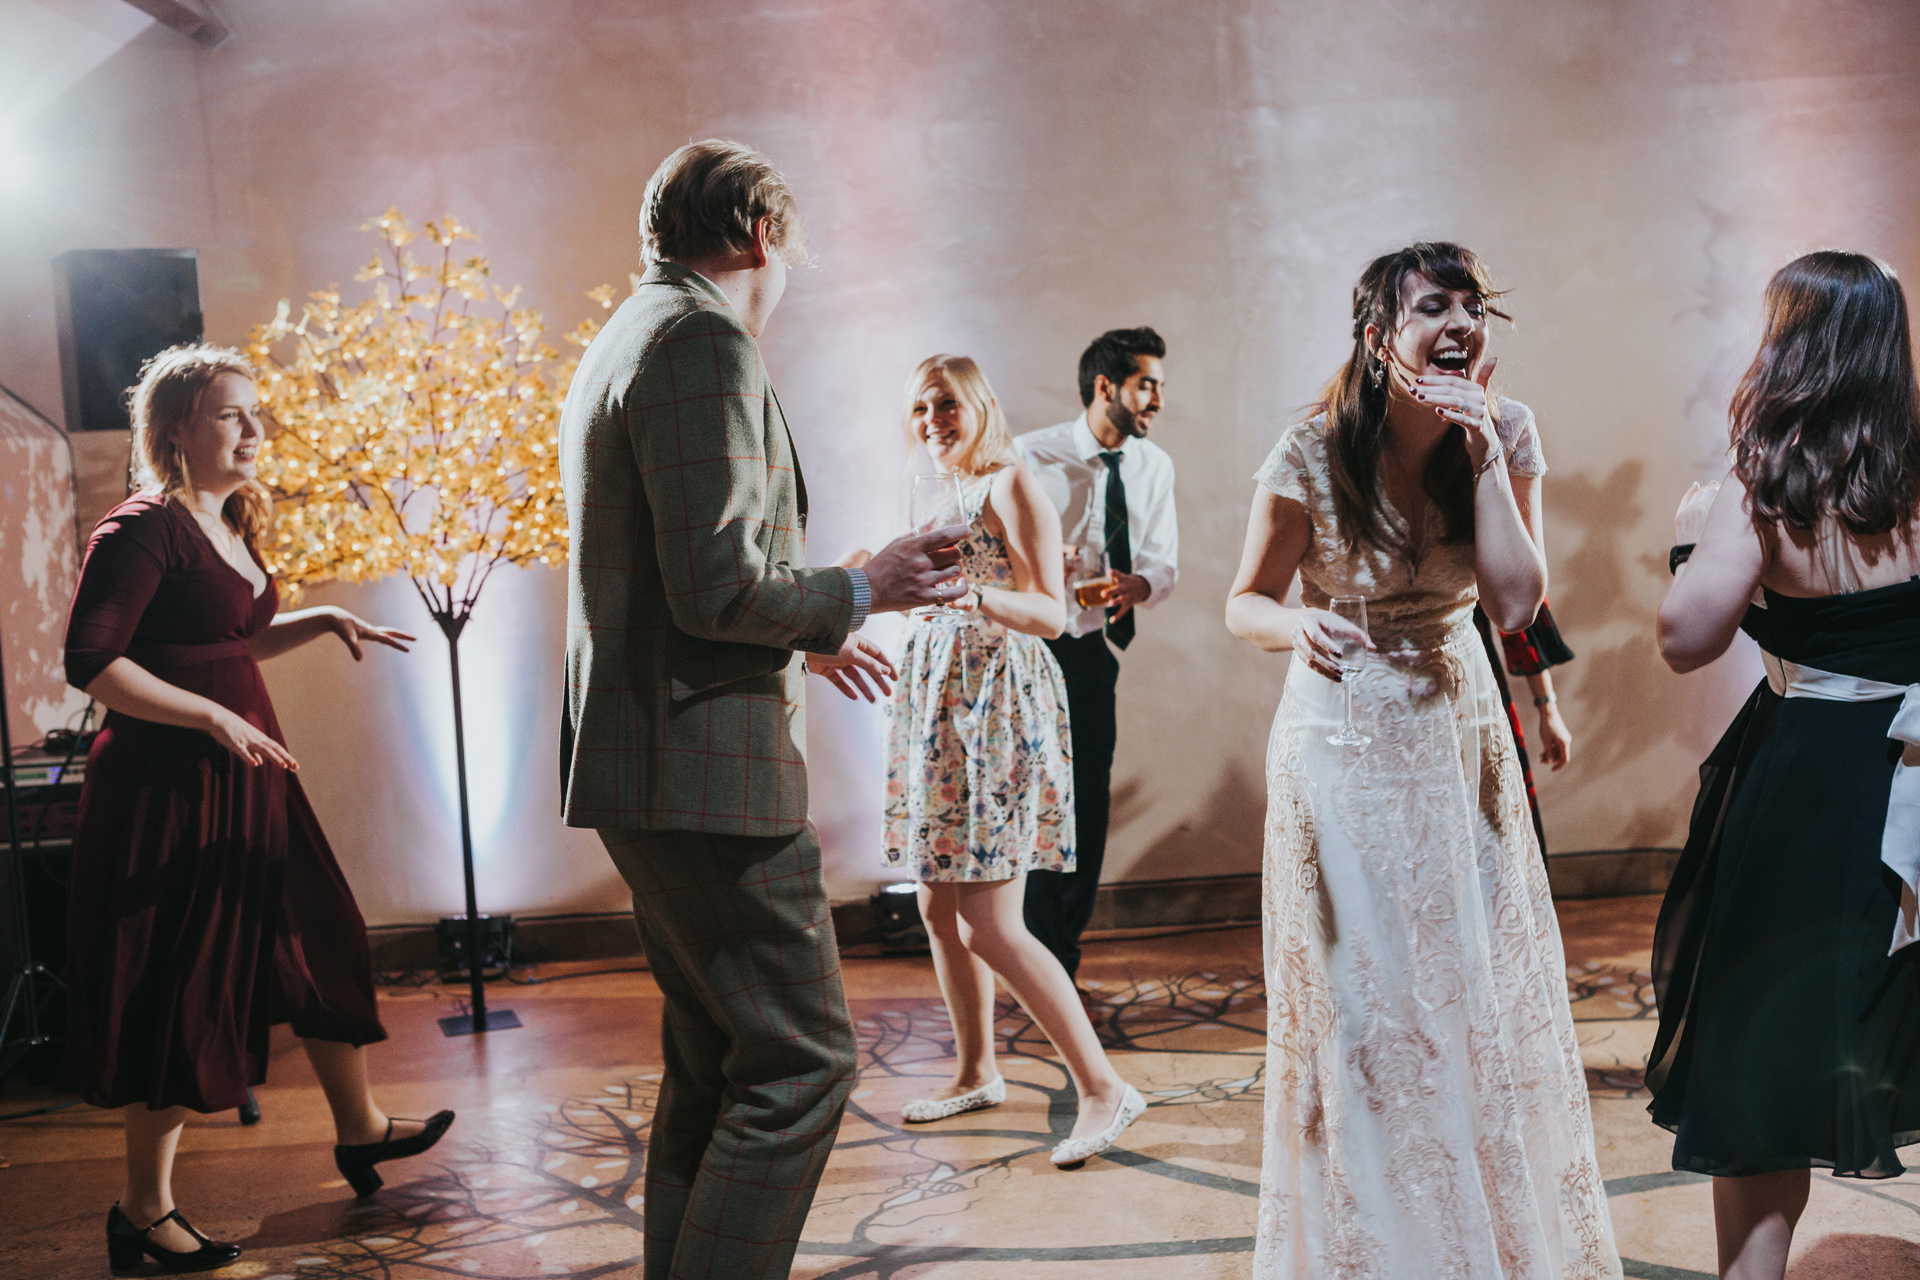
[1006, 180]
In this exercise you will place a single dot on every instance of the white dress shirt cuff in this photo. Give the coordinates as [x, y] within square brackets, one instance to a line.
[1160, 580]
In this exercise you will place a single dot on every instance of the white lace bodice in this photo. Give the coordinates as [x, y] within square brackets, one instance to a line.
[1420, 601]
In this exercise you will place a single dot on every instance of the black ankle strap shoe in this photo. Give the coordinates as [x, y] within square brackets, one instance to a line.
[356, 1162]
[128, 1244]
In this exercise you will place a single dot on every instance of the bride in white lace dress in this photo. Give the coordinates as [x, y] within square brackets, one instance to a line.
[1426, 1108]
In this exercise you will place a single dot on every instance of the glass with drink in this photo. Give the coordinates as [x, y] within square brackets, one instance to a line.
[1090, 575]
[1353, 660]
[936, 502]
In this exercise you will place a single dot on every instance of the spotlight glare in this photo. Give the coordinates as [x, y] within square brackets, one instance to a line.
[16, 161]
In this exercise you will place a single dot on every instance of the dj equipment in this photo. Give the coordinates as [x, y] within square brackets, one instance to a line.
[36, 916]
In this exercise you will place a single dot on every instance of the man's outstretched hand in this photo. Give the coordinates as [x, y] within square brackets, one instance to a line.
[858, 661]
[918, 570]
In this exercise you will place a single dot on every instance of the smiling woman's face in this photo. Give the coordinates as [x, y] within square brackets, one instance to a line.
[223, 435]
[1440, 330]
[944, 422]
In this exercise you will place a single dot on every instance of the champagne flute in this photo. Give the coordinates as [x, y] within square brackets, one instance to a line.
[1353, 660]
[936, 501]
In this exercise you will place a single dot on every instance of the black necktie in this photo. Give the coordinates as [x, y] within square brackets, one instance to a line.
[1119, 546]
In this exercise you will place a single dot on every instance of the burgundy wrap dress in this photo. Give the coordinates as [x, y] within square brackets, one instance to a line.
[204, 904]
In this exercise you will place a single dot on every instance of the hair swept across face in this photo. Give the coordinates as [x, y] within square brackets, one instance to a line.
[1826, 420]
[1355, 401]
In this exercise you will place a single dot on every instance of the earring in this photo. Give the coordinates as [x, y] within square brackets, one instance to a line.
[1378, 373]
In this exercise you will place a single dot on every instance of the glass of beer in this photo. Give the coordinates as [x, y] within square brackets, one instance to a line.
[1091, 577]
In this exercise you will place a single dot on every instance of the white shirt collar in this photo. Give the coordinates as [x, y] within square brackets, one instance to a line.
[1087, 444]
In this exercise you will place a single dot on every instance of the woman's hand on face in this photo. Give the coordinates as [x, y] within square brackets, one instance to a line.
[858, 661]
[1464, 402]
[1690, 521]
[1318, 640]
[249, 743]
[1556, 744]
[352, 631]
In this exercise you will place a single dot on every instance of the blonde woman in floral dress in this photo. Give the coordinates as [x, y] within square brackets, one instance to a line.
[979, 774]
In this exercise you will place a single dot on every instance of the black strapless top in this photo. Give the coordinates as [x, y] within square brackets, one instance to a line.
[1874, 635]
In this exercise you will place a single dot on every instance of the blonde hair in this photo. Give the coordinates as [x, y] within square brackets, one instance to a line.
[705, 198]
[993, 448]
[162, 404]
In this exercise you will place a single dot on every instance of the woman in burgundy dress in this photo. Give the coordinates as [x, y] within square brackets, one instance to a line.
[205, 905]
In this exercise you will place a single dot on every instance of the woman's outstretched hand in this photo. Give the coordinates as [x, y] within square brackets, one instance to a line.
[858, 661]
[1318, 640]
[352, 631]
[1463, 401]
[249, 743]
[1690, 521]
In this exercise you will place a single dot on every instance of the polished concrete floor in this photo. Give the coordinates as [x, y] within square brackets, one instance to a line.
[541, 1175]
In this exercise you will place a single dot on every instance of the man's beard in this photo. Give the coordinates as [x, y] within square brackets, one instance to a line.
[1125, 420]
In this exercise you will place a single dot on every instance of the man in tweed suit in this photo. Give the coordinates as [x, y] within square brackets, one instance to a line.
[688, 607]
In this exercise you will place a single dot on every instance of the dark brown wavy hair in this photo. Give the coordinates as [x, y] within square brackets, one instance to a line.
[1827, 418]
[1355, 401]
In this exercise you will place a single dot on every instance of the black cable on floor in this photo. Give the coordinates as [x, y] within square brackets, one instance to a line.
[562, 977]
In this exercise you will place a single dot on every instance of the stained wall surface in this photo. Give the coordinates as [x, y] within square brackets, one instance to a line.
[1007, 180]
[39, 557]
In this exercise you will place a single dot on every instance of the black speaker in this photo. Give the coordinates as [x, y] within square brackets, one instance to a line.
[119, 308]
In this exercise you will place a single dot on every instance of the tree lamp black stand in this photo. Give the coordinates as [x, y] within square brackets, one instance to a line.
[478, 1018]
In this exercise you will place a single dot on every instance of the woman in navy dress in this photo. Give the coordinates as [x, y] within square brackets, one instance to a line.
[205, 905]
[1789, 989]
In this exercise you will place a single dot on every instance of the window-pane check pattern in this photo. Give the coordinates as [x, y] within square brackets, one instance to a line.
[687, 595]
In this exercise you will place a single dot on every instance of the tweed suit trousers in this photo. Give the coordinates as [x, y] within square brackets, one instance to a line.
[760, 1052]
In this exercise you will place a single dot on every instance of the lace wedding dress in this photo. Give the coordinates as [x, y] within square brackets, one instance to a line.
[1426, 1108]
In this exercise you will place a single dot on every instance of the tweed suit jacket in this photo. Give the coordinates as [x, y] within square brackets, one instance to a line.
[687, 595]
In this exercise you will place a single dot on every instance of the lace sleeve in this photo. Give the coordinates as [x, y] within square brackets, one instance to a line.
[1285, 470]
[1521, 439]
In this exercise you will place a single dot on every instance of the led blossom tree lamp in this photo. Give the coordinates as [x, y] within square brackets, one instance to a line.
[419, 434]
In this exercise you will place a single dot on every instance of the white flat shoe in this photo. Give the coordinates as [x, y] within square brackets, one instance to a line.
[1075, 1152]
[921, 1110]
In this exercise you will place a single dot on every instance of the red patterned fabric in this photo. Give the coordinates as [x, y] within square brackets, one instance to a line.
[204, 905]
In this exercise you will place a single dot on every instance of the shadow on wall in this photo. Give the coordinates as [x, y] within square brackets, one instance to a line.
[1626, 690]
[1233, 816]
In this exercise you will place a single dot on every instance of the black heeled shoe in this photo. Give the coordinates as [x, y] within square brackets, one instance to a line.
[127, 1244]
[356, 1162]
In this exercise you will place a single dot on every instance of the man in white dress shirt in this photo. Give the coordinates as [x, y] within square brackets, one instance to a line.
[1114, 490]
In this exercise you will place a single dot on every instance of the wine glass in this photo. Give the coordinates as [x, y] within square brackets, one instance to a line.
[1353, 660]
[936, 502]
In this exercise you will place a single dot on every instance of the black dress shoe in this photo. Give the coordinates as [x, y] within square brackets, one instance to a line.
[127, 1244]
[356, 1162]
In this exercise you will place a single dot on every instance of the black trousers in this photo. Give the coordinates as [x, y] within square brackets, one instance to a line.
[1059, 903]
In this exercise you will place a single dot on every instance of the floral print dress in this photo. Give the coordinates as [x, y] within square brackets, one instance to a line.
[979, 755]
